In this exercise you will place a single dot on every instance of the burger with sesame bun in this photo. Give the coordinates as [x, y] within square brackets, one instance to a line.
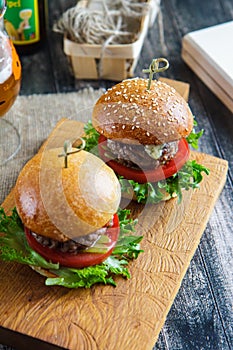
[144, 128]
[67, 224]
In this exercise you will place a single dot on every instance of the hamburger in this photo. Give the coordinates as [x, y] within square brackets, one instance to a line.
[66, 223]
[144, 135]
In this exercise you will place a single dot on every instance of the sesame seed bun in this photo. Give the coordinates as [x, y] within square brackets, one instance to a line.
[64, 203]
[133, 114]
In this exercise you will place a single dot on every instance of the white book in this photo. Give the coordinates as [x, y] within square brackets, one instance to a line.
[209, 53]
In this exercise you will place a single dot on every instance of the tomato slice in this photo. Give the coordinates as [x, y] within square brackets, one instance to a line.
[82, 259]
[151, 175]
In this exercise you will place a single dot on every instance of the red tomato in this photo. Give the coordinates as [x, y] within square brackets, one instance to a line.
[81, 259]
[151, 175]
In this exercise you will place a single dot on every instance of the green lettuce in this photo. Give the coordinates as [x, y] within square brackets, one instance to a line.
[189, 176]
[194, 136]
[14, 247]
[13, 243]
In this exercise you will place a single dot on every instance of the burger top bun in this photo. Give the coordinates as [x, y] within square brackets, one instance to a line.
[64, 203]
[133, 114]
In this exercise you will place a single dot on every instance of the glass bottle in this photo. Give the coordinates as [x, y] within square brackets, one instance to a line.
[25, 22]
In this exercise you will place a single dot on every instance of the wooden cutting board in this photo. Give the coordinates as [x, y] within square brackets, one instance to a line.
[131, 315]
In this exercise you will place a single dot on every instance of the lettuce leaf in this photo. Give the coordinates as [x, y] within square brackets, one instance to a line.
[13, 243]
[86, 277]
[91, 138]
[194, 136]
[189, 176]
[14, 247]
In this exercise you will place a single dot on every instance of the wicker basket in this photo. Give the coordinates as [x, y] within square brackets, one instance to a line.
[117, 61]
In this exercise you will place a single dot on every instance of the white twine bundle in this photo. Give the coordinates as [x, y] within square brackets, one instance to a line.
[85, 25]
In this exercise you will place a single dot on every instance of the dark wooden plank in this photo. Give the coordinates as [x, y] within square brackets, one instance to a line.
[37, 76]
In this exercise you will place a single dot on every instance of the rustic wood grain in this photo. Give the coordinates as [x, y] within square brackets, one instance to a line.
[131, 315]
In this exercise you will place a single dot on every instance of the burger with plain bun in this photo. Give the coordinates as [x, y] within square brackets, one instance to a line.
[67, 220]
[144, 129]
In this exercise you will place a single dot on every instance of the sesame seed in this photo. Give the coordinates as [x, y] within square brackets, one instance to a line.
[147, 133]
[115, 111]
[113, 127]
[123, 126]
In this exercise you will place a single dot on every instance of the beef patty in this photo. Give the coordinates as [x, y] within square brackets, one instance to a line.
[138, 156]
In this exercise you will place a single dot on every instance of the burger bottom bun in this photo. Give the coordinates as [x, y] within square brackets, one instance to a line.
[42, 271]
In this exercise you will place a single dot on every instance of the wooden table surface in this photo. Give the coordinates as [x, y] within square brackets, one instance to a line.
[201, 316]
